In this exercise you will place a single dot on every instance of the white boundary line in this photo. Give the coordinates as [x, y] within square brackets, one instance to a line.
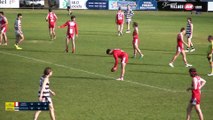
[76, 69]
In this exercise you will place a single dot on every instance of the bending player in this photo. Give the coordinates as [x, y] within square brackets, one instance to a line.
[210, 54]
[51, 19]
[197, 84]
[18, 31]
[189, 34]
[136, 41]
[3, 29]
[180, 49]
[72, 31]
[45, 92]
[119, 20]
[128, 15]
[118, 53]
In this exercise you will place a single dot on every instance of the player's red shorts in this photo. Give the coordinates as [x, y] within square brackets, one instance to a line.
[52, 25]
[124, 58]
[195, 101]
[3, 29]
[180, 48]
[119, 22]
[135, 41]
[71, 36]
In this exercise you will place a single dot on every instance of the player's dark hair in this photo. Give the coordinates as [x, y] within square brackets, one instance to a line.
[1, 12]
[193, 72]
[135, 24]
[108, 51]
[182, 29]
[189, 19]
[50, 9]
[119, 8]
[72, 17]
[210, 38]
[47, 71]
[19, 14]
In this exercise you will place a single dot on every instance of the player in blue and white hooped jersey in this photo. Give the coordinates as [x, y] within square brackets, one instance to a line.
[128, 15]
[189, 34]
[45, 92]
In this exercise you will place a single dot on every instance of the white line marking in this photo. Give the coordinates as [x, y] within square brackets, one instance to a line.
[76, 69]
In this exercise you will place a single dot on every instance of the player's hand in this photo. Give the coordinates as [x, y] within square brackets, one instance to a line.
[188, 89]
[113, 69]
[40, 99]
[76, 35]
[59, 27]
[53, 93]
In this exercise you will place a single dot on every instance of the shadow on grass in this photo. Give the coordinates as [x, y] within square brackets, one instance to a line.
[81, 78]
[159, 72]
[147, 64]
[90, 55]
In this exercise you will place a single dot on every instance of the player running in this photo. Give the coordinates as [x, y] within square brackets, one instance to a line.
[72, 31]
[180, 49]
[69, 10]
[45, 92]
[51, 19]
[18, 31]
[197, 84]
[3, 29]
[119, 20]
[210, 54]
[136, 41]
[118, 53]
[189, 34]
[128, 15]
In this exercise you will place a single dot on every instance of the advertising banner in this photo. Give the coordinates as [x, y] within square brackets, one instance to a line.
[182, 6]
[115, 4]
[84, 4]
[210, 6]
[74, 4]
[97, 4]
[146, 5]
[9, 3]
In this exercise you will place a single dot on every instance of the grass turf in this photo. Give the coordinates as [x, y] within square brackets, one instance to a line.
[85, 88]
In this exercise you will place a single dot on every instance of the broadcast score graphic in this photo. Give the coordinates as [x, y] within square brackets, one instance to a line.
[26, 106]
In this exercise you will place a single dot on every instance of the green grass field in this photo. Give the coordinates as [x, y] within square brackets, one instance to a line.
[84, 86]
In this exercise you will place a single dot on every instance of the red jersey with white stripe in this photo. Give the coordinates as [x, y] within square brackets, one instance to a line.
[51, 17]
[135, 36]
[119, 17]
[180, 41]
[72, 28]
[196, 84]
[3, 24]
[118, 53]
[135, 33]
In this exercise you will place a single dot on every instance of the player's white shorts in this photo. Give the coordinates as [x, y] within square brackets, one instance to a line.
[180, 49]
[128, 20]
[47, 99]
[18, 33]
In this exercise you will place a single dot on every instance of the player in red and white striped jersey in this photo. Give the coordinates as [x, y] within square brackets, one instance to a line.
[136, 41]
[118, 53]
[3, 28]
[51, 19]
[180, 48]
[197, 84]
[119, 20]
[72, 31]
